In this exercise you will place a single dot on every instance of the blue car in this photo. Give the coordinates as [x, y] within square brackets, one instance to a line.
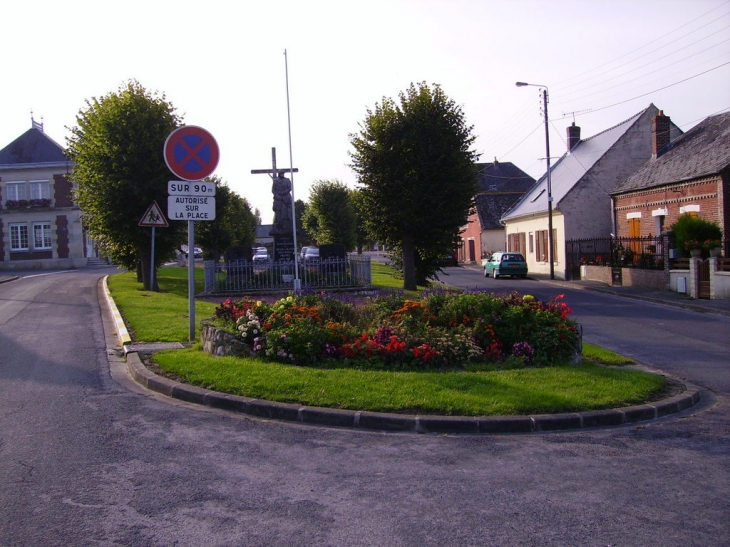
[505, 263]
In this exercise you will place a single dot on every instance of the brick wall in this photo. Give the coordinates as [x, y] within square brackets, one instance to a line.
[706, 193]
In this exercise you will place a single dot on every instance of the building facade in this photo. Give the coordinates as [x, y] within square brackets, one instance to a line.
[40, 225]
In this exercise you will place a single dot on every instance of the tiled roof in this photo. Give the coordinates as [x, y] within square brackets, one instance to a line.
[703, 150]
[32, 147]
[572, 167]
[500, 185]
[492, 205]
[502, 176]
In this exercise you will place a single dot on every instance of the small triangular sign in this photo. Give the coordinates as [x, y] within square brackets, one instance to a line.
[154, 217]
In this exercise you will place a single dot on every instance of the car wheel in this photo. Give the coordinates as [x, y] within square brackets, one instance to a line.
[485, 273]
[494, 274]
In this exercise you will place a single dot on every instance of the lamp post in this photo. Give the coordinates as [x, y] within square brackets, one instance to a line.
[549, 186]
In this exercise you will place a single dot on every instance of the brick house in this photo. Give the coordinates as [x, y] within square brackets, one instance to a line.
[582, 182]
[499, 186]
[687, 174]
[40, 225]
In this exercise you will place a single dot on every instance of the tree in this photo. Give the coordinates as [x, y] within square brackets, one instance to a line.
[234, 224]
[361, 235]
[330, 214]
[417, 176]
[304, 238]
[119, 170]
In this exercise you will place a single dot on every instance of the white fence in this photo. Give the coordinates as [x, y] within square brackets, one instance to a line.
[243, 276]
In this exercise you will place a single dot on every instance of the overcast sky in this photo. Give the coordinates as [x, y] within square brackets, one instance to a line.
[222, 65]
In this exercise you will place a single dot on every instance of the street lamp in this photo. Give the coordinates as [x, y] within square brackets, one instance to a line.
[549, 186]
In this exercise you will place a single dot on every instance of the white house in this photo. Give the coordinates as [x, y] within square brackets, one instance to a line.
[582, 181]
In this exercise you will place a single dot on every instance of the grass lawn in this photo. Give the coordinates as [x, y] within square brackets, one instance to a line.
[163, 316]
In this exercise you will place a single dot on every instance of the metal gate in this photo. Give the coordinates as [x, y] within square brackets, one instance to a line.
[703, 278]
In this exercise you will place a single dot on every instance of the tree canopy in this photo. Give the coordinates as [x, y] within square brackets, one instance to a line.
[119, 170]
[417, 175]
[234, 224]
[330, 214]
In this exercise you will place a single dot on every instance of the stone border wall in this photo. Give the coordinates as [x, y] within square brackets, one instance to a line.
[220, 343]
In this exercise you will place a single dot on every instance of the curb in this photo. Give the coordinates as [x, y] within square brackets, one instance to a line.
[121, 328]
[357, 419]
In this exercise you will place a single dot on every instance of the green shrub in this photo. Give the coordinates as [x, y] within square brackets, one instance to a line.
[692, 232]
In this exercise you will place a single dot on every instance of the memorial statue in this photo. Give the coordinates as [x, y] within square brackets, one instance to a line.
[281, 188]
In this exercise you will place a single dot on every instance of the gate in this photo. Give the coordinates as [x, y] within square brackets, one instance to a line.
[703, 278]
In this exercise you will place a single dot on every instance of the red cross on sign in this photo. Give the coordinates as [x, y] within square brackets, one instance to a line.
[191, 152]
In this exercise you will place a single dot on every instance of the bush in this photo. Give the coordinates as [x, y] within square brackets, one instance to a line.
[690, 232]
[439, 330]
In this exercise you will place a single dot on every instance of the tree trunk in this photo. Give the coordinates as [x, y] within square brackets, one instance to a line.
[409, 263]
[144, 266]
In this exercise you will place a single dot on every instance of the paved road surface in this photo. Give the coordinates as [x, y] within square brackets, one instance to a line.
[88, 458]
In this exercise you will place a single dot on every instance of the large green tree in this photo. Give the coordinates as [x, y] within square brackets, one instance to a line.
[119, 170]
[416, 169]
[330, 214]
[234, 224]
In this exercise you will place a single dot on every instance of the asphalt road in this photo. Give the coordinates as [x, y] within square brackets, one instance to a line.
[88, 458]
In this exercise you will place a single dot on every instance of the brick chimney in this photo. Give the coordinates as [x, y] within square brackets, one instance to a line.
[660, 135]
[573, 136]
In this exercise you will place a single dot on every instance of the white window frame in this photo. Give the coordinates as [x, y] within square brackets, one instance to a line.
[17, 236]
[15, 190]
[40, 189]
[42, 236]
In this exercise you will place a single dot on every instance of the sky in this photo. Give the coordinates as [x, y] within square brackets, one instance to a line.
[223, 66]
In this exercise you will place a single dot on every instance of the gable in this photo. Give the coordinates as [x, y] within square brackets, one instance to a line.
[31, 148]
[575, 166]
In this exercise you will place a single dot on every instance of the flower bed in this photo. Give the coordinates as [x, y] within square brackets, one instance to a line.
[438, 330]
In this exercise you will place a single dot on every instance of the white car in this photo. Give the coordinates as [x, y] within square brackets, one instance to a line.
[261, 255]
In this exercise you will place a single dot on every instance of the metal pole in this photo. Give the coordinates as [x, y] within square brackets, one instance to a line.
[152, 261]
[191, 279]
[549, 186]
[297, 282]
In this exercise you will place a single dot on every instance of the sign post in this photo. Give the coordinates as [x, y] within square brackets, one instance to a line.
[153, 217]
[192, 154]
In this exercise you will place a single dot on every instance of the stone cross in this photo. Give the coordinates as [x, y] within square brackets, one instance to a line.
[273, 171]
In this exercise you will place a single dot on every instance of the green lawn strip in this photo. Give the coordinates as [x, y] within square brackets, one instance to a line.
[507, 392]
[597, 354]
[163, 317]
[158, 316]
[384, 277]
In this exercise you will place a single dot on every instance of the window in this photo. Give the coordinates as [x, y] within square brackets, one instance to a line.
[15, 190]
[18, 237]
[516, 242]
[40, 189]
[541, 245]
[42, 235]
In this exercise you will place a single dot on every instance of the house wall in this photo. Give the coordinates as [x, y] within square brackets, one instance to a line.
[63, 216]
[587, 206]
[704, 196]
[529, 226]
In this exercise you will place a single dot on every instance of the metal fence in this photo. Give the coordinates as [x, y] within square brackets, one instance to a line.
[649, 253]
[243, 276]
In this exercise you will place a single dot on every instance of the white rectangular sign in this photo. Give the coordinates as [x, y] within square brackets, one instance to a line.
[188, 188]
[190, 208]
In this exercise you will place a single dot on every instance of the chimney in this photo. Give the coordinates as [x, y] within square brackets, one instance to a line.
[573, 136]
[659, 133]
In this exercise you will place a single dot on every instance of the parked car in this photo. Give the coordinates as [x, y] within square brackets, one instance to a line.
[303, 252]
[505, 263]
[311, 255]
[261, 255]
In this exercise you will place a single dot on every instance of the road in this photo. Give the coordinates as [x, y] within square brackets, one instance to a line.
[89, 458]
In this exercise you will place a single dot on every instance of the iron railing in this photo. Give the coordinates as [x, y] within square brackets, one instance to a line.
[243, 276]
[649, 253]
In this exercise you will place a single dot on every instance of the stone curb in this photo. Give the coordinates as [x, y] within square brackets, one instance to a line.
[355, 419]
